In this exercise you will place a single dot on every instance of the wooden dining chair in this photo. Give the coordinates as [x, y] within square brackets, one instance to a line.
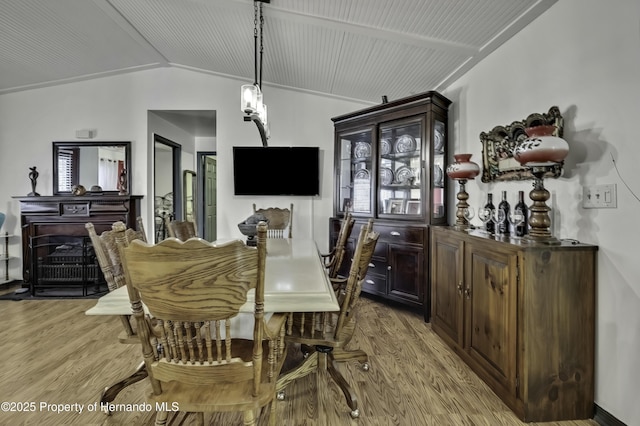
[280, 221]
[333, 259]
[181, 229]
[110, 263]
[106, 249]
[194, 290]
[323, 336]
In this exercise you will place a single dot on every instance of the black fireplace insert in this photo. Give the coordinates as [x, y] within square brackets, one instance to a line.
[64, 265]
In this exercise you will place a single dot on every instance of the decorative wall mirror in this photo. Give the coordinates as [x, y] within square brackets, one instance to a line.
[498, 145]
[189, 195]
[92, 165]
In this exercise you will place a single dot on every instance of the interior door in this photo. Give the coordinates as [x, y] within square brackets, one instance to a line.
[207, 195]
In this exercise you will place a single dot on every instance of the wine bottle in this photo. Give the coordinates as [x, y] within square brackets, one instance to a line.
[503, 221]
[523, 228]
[489, 226]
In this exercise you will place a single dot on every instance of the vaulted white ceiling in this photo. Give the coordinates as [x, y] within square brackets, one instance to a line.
[357, 49]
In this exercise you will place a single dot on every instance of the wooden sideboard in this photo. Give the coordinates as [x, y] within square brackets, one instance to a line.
[522, 316]
[67, 215]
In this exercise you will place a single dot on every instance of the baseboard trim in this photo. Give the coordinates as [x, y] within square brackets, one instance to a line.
[604, 418]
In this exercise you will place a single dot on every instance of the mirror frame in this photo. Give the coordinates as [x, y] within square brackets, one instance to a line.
[77, 144]
[499, 143]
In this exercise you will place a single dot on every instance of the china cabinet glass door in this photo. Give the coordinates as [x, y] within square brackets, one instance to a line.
[438, 178]
[355, 172]
[400, 169]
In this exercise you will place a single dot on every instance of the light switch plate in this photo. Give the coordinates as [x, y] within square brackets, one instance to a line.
[599, 196]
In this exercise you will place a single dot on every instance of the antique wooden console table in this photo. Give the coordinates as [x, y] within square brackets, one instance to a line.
[65, 216]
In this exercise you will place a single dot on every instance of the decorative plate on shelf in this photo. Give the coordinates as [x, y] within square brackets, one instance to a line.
[385, 147]
[437, 175]
[404, 175]
[386, 176]
[438, 137]
[362, 150]
[362, 174]
[405, 143]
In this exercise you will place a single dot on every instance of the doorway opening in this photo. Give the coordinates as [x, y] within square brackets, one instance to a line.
[166, 184]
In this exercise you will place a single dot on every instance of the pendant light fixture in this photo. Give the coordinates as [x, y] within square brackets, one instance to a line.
[251, 100]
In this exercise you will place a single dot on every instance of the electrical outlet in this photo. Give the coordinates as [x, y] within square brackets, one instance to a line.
[599, 196]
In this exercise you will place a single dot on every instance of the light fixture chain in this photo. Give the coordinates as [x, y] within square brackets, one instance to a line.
[261, 42]
[255, 43]
[255, 18]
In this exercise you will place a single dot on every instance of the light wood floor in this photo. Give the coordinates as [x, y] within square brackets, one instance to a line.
[53, 353]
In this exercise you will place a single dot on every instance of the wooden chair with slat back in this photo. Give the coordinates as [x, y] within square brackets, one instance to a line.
[191, 356]
[108, 256]
[181, 229]
[280, 221]
[323, 336]
[333, 259]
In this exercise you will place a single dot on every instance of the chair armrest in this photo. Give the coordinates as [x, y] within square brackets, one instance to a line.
[274, 326]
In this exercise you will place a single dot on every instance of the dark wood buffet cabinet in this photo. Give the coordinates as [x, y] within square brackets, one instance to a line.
[522, 316]
[389, 166]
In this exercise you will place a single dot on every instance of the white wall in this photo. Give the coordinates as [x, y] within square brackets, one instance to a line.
[584, 57]
[118, 108]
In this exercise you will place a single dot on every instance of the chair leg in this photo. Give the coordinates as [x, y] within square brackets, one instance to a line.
[337, 377]
[342, 355]
[199, 419]
[161, 418]
[249, 418]
[272, 413]
[308, 366]
[110, 393]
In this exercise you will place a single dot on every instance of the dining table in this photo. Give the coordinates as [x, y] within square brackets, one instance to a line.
[296, 280]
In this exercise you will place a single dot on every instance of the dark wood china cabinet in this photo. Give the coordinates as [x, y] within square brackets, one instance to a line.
[389, 166]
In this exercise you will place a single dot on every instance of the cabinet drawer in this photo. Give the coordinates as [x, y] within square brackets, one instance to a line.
[378, 266]
[401, 234]
[374, 283]
[75, 209]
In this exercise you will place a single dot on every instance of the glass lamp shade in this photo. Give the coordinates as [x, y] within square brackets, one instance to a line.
[251, 98]
[541, 148]
[262, 113]
[463, 168]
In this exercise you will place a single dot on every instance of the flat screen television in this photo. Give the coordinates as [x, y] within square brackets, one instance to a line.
[276, 170]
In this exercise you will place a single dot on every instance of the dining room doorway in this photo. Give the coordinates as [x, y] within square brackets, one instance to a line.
[167, 188]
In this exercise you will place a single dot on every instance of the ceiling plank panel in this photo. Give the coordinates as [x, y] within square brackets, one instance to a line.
[359, 49]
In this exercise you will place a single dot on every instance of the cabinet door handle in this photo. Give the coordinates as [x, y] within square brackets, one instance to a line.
[371, 265]
[467, 292]
[460, 287]
[370, 282]
[389, 268]
[394, 233]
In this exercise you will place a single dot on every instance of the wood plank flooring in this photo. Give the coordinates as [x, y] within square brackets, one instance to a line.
[53, 353]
